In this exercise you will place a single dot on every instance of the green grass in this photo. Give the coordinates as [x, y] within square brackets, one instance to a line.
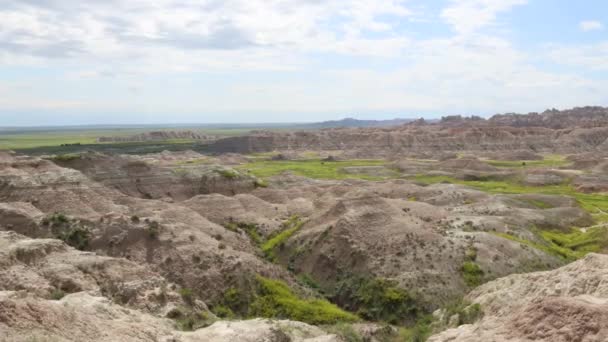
[313, 168]
[595, 204]
[472, 274]
[577, 243]
[25, 139]
[289, 228]
[548, 161]
[228, 173]
[19, 141]
[568, 245]
[274, 299]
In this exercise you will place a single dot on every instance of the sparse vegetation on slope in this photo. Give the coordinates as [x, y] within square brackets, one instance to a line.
[251, 229]
[289, 228]
[65, 229]
[376, 299]
[570, 245]
[274, 299]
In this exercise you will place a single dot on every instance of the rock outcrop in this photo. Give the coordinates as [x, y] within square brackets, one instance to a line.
[563, 305]
[576, 130]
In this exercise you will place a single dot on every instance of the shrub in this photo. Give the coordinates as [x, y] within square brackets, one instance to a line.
[187, 295]
[153, 229]
[471, 254]
[57, 294]
[472, 274]
[78, 238]
[188, 320]
[471, 314]
[192, 321]
[377, 299]
[467, 313]
[68, 231]
[307, 280]
[228, 173]
[260, 183]
[223, 311]
[420, 332]
[236, 300]
[135, 219]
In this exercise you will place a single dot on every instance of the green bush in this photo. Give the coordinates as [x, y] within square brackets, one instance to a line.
[78, 238]
[260, 183]
[420, 332]
[467, 313]
[187, 320]
[237, 301]
[57, 294]
[153, 230]
[187, 295]
[223, 311]
[228, 173]
[376, 299]
[307, 280]
[472, 274]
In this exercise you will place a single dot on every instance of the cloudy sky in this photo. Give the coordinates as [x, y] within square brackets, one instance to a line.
[168, 61]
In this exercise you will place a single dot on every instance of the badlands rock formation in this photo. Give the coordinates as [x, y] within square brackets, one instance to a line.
[564, 305]
[172, 246]
[577, 130]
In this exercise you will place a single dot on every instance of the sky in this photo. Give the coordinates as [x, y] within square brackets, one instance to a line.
[208, 61]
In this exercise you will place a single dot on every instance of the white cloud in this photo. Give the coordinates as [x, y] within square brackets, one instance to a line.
[468, 16]
[590, 25]
[590, 56]
[136, 56]
[130, 30]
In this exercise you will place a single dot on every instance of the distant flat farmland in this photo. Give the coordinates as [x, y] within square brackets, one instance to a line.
[16, 139]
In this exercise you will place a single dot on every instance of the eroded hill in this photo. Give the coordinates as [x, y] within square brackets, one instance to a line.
[309, 243]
